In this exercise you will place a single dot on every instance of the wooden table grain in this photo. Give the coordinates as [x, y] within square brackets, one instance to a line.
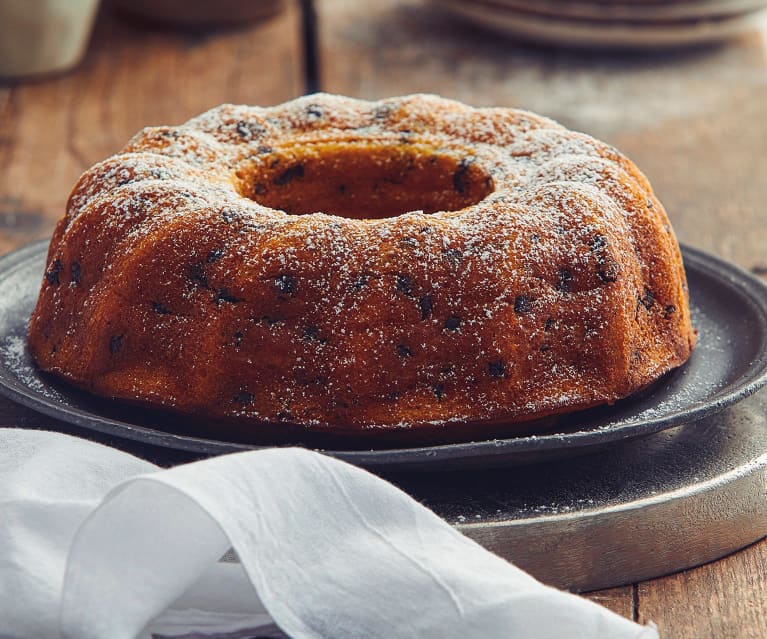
[694, 121]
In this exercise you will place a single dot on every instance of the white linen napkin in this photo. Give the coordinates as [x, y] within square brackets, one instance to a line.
[95, 543]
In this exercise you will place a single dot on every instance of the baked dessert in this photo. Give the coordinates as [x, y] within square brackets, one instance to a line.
[344, 266]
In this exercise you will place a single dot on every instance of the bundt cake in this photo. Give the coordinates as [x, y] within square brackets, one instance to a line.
[344, 266]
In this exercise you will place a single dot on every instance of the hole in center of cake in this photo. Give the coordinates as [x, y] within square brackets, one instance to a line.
[363, 181]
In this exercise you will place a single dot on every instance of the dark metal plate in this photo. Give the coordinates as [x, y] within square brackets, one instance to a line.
[729, 307]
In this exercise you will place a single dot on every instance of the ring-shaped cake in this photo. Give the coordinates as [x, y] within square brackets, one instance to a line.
[353, 267]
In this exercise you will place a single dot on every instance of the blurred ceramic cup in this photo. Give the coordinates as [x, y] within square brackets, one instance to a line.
[43, 36]
[200, 13]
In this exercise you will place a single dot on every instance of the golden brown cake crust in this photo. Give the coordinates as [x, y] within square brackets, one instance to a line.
[539, 273]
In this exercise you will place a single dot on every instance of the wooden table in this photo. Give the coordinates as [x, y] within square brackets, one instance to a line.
[695, 122]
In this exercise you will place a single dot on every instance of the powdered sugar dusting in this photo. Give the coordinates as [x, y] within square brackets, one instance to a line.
[14, 356]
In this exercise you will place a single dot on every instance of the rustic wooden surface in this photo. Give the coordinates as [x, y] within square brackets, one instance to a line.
[695, 122]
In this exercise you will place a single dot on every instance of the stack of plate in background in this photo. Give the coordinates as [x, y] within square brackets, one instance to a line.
[199, 13]
[613, 23]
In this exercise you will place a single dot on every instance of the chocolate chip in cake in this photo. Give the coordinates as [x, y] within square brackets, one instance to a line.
[425, 304]
[597, 242]
[404, 284]
[223, 295]
[452, 323]
[647, 300]
[74, 272]
[342, 189]
[288, 175]
[496, 368]
[160, 308]
[285, 284]
[238, 339]
[244, 398]
[359, 283]
[197, 274]
[312, 334]
[522, 304]
[314, 112]
[382, 112]
[169, 134]
[549, 324]
[461, 175]
[453, 256]
[404, 351]
[669, 311]
[249, 130]
[215, 255]
[52, 275]
[564, 280]
[545, 347]
[649, 203]
[439, 391]
[259, 188]
[608, 271]
[229, 216]
[116, 344]
[607, 268]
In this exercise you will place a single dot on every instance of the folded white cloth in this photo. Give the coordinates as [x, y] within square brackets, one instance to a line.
[95, 543]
